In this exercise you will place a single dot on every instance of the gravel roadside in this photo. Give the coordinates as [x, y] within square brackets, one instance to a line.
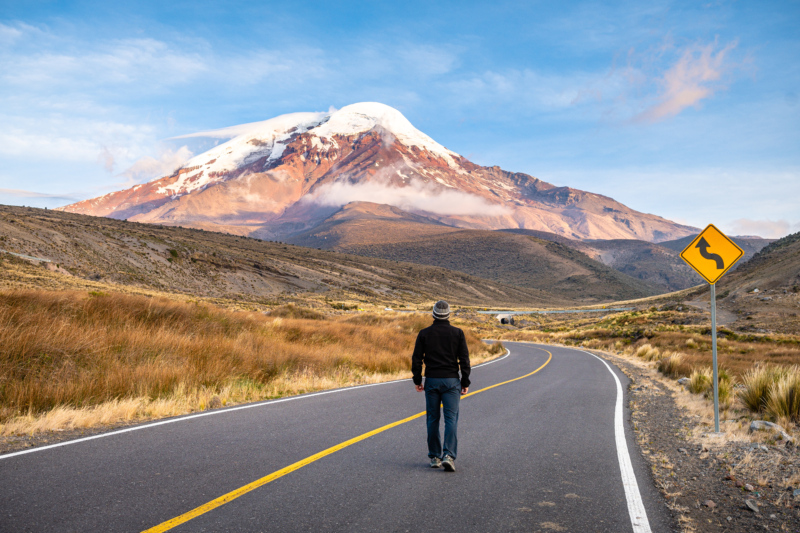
[738, 482]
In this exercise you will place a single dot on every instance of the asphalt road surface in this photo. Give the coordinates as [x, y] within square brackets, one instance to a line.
[540, 453]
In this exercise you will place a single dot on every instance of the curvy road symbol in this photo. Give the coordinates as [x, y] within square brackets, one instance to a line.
[703, 245]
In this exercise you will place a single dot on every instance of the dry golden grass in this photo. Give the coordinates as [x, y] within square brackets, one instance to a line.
[77, 359]
[679, 344]
[700, 380]
[783, 400]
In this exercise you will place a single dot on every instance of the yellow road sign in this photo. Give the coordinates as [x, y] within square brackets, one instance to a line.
[711, 254]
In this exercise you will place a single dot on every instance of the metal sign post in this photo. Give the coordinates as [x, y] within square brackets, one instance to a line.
[714, 354]
[711, 254]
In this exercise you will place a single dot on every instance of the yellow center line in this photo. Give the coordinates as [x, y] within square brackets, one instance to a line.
[225, 498]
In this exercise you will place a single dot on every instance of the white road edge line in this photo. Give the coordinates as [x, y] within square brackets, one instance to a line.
[217, 412]
[635, 505]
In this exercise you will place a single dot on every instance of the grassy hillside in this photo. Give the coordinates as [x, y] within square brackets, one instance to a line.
[195, 262]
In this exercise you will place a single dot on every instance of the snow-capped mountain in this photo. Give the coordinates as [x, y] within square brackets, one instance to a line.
[287, 174]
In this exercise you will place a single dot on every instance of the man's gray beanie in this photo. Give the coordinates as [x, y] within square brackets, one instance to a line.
[441, 310]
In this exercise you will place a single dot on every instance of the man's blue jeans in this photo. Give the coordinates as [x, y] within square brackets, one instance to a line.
[447, 392]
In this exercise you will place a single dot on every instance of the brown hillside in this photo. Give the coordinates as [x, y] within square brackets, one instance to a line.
[750, 245]
[220, 265]
[775, 306]
[659, 264]
[365, 223]
[516, 260]
[775, 267]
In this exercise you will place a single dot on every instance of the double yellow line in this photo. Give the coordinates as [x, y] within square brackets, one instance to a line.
[225, 498]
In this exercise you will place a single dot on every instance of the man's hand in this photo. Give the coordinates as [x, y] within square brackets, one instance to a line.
[420, 388]
[464, 390]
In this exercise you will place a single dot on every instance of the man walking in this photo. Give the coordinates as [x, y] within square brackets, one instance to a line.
[443, 349]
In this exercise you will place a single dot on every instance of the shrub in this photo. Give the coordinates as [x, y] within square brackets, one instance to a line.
[700, 380]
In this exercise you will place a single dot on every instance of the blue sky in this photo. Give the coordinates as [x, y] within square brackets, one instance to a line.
[687, 110]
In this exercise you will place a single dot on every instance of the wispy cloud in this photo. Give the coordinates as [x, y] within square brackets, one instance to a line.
[416, 196]
[696, 75]
[148, 168]
[17, 193]
[121, 62]
[89, 139]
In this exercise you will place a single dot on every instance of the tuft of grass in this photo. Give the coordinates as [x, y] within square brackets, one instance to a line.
[497, 348]
[726, 383]
[758, 382]
[783, 402]
[344, 307]
[648, 353]
[673, 365]
[700, 380]
[293, 311]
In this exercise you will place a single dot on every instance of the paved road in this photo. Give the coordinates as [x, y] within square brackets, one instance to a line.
[535, 454]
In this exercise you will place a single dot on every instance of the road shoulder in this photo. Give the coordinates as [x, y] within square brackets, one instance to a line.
[702, 481]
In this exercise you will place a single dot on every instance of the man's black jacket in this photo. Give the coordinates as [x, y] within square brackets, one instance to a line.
[443, 348]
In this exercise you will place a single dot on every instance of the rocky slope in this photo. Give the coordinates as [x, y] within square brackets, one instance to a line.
[84, 250]
[658, 265]
[286, 175]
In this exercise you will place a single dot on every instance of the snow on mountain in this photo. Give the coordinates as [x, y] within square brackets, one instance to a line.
[285, 175]
[257, 139]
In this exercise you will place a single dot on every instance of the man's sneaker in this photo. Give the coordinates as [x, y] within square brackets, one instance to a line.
[436, 462]
[449, 464]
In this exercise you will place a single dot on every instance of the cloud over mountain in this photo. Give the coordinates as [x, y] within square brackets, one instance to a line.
[413, 196]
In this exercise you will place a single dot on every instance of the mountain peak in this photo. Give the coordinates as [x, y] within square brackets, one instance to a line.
[366, 116]
[285, 175]
[269, 138]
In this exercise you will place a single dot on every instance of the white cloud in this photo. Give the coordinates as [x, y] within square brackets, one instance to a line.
[150, 62]
[527, 89]
[772, 229]
[148, 168]
[428, 60]
[416, 196]
[92, 140]
[9, 35]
